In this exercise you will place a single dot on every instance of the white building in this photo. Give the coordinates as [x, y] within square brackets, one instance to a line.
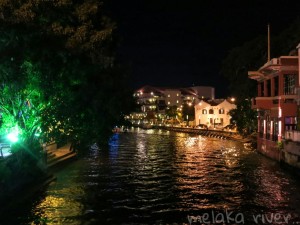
[214, 113]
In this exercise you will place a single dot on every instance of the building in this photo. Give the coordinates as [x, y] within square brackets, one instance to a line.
[158, 98]
[214, 113]
[154, 101]
[173, 97]
[276, 103]
[150, 99]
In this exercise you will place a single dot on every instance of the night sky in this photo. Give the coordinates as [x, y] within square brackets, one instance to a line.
[182, 43]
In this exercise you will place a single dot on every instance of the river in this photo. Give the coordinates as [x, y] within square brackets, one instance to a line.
[162, 177]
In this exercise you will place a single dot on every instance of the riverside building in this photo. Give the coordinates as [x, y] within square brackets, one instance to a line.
[154, 101]
[277, 104]
[214, 113]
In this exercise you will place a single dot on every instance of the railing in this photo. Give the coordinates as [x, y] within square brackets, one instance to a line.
[4, 150]
[274, 137]
[271, 137]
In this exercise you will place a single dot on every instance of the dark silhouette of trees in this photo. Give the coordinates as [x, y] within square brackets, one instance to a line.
[244, 118]
[251, 56]
[58, 71]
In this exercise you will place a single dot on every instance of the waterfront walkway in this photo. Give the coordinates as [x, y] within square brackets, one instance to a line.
[56, 156]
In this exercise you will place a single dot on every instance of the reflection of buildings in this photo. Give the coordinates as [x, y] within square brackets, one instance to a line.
[276, 103]
[214, 113]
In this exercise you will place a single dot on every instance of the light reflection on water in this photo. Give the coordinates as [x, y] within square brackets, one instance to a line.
[160, 177]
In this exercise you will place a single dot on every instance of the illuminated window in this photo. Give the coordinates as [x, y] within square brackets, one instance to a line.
[169, 96]
[204, 111]
[169, 103]
[221, 111]
[177, 94]
[177, 101]
[289, 84]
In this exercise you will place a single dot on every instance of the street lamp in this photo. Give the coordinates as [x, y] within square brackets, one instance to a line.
[187, 120]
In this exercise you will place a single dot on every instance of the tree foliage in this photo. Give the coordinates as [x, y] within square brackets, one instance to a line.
[188, 112]
[57, 70]
[239, 61]
[244, 117]
[171, 111]
[252, 55]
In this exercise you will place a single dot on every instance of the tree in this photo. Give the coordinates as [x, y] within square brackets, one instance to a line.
[252, 55]
[239, 61]
[171, 111]
[244, 117]
[65, 48]
[188, 112]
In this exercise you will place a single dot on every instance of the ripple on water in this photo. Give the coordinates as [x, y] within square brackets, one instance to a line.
[154, 176]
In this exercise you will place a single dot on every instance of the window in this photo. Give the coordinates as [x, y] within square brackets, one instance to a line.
[211, 111]
[276, 85]
[262, 88]
[204, 111]
[268, 88]
[169, 96]
[169, 103]
[177, 101]
[221, 111]
[290, 123]
[289, 84]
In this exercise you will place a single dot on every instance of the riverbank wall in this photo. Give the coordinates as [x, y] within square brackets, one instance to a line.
[16, 186]
[214, 133]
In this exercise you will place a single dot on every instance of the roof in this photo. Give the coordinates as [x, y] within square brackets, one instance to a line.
[215, 102]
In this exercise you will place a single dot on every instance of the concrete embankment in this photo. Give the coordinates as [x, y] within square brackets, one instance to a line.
[209, 133]
[58, 156]
[26, 187]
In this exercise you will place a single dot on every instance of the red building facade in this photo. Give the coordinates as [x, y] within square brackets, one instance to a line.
[276, 102]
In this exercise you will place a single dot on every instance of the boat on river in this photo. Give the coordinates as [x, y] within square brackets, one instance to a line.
[122, 129]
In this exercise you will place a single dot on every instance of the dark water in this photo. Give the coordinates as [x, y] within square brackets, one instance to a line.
[160, 177]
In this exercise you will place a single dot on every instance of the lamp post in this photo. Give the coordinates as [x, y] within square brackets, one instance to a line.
[187, 120]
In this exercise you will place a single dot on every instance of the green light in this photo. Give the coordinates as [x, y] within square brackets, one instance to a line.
[13, 137]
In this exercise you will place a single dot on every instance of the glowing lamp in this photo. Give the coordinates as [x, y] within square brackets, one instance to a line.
[12, 137]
